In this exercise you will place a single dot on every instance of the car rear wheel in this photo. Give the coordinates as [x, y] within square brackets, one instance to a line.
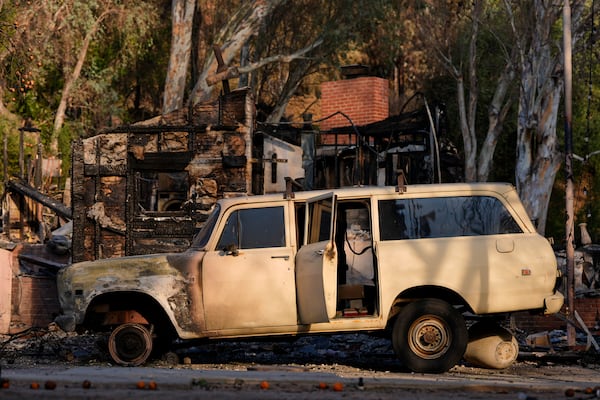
[429, 336]
[130, 344]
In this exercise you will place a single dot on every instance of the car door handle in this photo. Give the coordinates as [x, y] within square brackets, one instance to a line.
[284, 257]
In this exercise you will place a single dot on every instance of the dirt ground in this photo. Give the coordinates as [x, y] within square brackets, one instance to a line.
[344, 359]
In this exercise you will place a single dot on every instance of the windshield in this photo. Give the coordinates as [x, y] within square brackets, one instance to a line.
[202, 237]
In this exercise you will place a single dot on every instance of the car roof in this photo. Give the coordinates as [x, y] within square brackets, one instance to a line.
[365, 191]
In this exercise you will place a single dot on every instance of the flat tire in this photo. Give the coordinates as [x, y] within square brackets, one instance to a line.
[130, 344]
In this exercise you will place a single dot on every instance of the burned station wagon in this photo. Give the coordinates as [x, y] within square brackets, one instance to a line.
[418, 262]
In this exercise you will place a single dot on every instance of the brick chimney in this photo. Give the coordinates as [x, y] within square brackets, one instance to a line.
[365, 99]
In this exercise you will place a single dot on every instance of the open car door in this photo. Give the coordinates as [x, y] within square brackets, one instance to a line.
[316, 263]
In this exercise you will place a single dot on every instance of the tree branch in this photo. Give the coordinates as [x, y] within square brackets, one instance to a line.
[234, 72]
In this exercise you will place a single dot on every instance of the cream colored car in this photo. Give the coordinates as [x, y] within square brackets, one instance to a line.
[354, 259]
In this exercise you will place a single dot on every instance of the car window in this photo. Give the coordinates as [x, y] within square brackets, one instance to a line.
[300, 209]
[252, 228]
[319, 222]
[201, 239]
[444, 217]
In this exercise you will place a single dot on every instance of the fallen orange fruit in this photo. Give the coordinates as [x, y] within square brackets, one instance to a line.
[140, 385]
[152, 385]
[34, 385]
[264, 385]
[50, 385]
[86, 384]
[338, 387]
[323, 385]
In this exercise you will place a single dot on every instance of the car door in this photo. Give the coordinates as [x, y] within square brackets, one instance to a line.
[316, 263]
[248, 279]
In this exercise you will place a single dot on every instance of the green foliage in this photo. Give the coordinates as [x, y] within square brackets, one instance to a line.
[40, 60]
[8, 130]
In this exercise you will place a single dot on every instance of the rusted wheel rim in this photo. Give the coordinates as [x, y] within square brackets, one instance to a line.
[130, 344]
[429, 337]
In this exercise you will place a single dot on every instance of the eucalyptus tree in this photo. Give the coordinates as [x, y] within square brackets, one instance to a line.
[529, 75]
[182, 26]
[243, 24]
[538, 41]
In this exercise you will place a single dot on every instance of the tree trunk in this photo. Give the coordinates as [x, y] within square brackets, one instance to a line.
[469, 140]
[497, 113]
[298, 70]
[468, 115]
[3, 109]
[183, 12]
[538, 155]
[74, 75]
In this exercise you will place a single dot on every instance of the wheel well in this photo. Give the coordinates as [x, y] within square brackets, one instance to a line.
[422, 292]
[140, 304]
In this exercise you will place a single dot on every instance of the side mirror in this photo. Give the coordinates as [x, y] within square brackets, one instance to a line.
[231, 250]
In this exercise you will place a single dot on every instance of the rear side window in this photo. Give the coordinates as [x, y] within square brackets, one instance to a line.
[444, 217]
[253, 228]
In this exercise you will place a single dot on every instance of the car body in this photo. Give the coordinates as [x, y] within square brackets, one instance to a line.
[342, 260]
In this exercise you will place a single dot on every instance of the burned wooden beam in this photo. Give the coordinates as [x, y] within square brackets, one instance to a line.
[24, 189]
[229, 73]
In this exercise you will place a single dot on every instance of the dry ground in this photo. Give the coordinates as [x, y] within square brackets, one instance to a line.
[343, 358]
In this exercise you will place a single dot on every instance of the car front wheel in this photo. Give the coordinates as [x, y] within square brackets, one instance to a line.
[429, 336]
[130, 344]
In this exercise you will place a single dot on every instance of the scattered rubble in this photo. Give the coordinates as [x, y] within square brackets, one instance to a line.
[37, 346]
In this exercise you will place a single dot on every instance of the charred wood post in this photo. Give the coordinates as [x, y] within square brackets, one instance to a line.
[26, 128]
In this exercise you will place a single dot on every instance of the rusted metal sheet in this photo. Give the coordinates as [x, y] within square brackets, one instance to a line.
[149, 187]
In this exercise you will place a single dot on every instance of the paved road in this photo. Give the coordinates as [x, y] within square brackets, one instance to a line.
[523, 381]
